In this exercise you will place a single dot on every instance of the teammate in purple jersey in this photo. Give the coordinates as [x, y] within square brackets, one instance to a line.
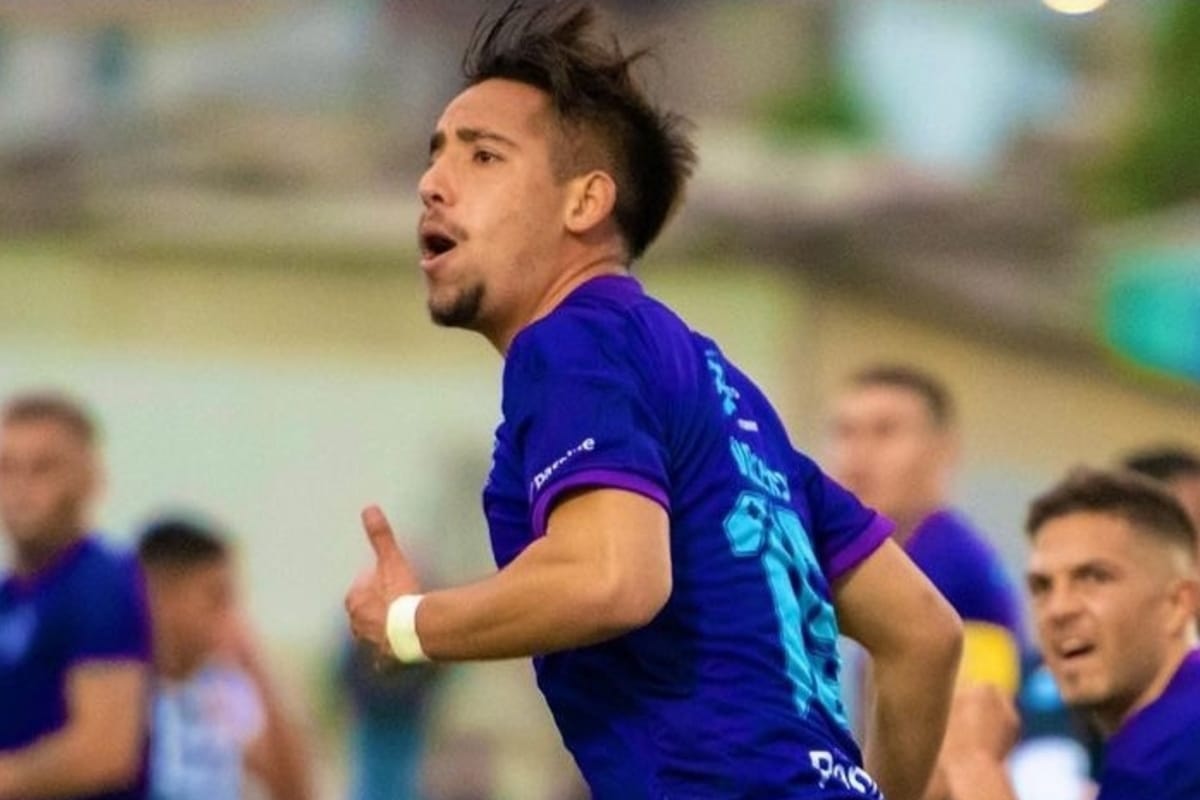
[1113, 577]
[676, 569]
[74, 628]
[895, 442]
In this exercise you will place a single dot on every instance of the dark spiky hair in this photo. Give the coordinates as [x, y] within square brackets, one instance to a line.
[606, 122]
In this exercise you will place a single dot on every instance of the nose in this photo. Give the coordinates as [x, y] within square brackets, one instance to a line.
[433, 186]
[1059, 605]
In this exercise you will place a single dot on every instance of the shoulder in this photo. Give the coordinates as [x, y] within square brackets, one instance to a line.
[100, 564]
[947, 538]
[607, 328]
[965, 567]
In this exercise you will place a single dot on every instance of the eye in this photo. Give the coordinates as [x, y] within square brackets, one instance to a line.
[1094, 576]
[485, 157]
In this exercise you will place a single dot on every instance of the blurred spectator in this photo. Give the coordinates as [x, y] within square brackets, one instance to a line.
[74, 631]
[1178, 468]
[217, 711]
[390, 705]
[895, 445]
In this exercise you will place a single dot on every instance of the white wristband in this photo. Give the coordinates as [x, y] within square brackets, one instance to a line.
[402, 629]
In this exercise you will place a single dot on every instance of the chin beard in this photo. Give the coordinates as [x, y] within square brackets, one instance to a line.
[462, 312]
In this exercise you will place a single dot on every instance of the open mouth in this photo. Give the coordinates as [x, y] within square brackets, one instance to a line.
[1071, 651]
[434, 244]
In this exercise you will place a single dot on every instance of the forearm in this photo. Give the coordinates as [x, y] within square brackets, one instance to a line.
[65, 764]
[912, 703]
[540, 603]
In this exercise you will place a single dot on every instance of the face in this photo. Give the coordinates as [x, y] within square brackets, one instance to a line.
[191, 609]
[47, 481]
[493, 209]
[1108, 606]
[886, 448]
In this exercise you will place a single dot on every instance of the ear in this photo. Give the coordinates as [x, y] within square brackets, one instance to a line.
[1185, 604]
[591, 199]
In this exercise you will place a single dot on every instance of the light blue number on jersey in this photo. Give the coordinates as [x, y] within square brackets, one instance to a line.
[758, 526]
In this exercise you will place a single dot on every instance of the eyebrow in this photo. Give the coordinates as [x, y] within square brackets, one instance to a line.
[1074, 570]
[469, 136]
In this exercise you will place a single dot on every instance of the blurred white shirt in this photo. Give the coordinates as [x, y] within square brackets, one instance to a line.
[201, 728]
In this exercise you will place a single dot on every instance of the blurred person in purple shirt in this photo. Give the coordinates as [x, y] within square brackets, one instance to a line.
[74, 627]
[894, 442]
[1115, 593]
[676, 569]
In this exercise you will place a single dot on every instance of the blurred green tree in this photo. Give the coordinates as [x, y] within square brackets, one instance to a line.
[1157, 162]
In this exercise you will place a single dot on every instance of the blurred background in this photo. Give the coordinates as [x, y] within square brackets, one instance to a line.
[207, 231]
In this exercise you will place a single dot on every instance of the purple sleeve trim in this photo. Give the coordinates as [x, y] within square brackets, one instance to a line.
[864, 544]
[596, 478]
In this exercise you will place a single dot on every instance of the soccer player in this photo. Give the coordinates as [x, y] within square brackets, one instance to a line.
[217, 712]
[1178, 468]
[74, 630]
[676, 569]
[895, 444]
[1115, 591]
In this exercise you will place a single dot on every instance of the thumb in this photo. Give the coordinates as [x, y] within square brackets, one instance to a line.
[379, 534]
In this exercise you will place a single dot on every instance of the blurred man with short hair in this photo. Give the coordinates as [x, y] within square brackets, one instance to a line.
[894, 443]
[217, 713]
[74, 630]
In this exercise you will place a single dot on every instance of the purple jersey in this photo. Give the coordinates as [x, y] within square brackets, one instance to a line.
[732, 690]
[88, 605]
[1156, 753]
[966, 570]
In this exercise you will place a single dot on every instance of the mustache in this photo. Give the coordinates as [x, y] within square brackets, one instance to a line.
[452, 230]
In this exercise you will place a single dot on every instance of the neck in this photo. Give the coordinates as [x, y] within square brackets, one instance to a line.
[36, 555]
[170, 662]
[1111, 720]
[565, 282]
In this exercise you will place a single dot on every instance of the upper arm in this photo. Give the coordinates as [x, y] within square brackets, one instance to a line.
[879, 601]
[974, 581]
[620, 541]
[110, 618]
[107, 702]
[582, 416]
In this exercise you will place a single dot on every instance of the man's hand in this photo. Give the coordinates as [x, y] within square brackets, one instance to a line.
[376, 587]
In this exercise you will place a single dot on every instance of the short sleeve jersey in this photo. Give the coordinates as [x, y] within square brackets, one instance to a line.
[732, 690]
[88, 605]
[1156, 753]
